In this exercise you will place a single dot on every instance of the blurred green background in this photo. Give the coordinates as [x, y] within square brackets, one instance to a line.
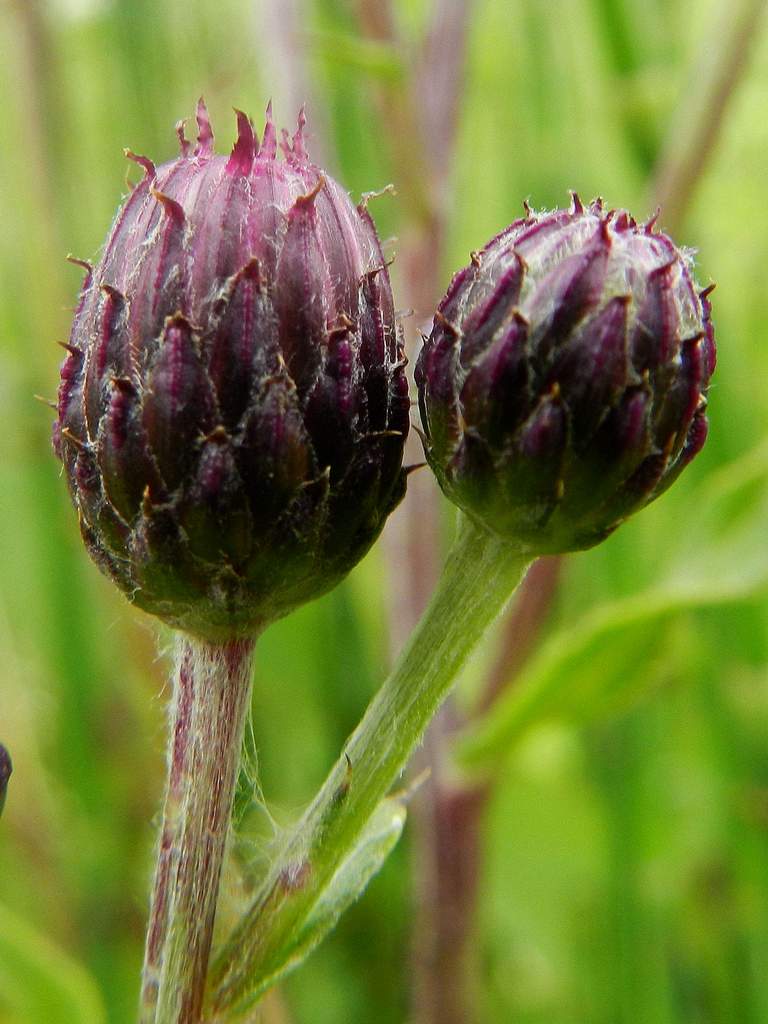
[624, 872]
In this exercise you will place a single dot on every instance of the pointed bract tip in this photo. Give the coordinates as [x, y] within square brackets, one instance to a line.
[250, 271]
[244, 150]
[623, 221]
[184, 143]
[299, 149]
[650, 224]
[111, 292]
[204, 145]
[73, 350]
[88, 267]
[174, 211]
[577, 207]
[268, 149]
[603, 234]
[142, 161]
[219, 435]
[366, 197]
[309, 198]
[664, 271]
[123, 384]
[178, 320]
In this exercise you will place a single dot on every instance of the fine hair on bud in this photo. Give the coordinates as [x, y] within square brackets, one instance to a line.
[233, 403]
[564, 383]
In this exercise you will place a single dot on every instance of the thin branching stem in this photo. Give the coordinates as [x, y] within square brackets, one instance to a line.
[480, 575]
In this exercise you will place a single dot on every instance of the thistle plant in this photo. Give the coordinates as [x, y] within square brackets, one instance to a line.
[624, 425]
[231, 419]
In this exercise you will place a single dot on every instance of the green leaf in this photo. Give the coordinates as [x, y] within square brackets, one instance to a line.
[347, 885]
[39, 983]
[612, 653]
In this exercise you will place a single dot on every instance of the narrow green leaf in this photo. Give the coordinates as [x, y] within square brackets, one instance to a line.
[346, 886]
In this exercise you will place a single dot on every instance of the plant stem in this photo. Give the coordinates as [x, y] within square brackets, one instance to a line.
[451, 853]
[480, 575]
[211, 698]
[695, 129]
[451, 856]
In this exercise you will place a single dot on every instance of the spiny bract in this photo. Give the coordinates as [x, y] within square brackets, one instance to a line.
[233, 405]
[564, 383]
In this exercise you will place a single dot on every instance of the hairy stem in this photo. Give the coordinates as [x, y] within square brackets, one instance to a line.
[480, 575]
[211, 697]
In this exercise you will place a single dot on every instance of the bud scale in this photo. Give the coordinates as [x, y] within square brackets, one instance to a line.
[563, 385]
[233, 405]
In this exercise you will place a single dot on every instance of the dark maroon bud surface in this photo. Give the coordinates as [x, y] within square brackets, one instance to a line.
[233, 405]
[563, 386]
[6, 768]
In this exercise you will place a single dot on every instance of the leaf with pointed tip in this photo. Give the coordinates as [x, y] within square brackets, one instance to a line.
[350, 881]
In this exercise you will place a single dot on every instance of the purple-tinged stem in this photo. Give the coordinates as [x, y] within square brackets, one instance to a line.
[211, 697]
[521, 630]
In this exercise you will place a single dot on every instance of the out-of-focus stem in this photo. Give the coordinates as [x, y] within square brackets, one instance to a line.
[521, 629]
[451, 842]
[211, 697]
[480, 574]
[694, 130]
[422, 109]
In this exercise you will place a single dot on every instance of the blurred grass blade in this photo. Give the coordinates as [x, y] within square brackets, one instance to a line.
[378, 60]
[609, 655]
[694, 131]
[39, 984]
[723, 544]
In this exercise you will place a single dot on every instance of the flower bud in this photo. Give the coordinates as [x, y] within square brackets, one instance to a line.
[563, 386]
[6, 768]
[233, 405]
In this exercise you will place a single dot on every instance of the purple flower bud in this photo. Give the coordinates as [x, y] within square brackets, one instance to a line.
[564, 383]
[6, 768]
[233, 406]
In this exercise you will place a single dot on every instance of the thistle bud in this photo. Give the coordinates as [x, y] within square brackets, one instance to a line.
[6, 768]
[563, 386]
[233, 404]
